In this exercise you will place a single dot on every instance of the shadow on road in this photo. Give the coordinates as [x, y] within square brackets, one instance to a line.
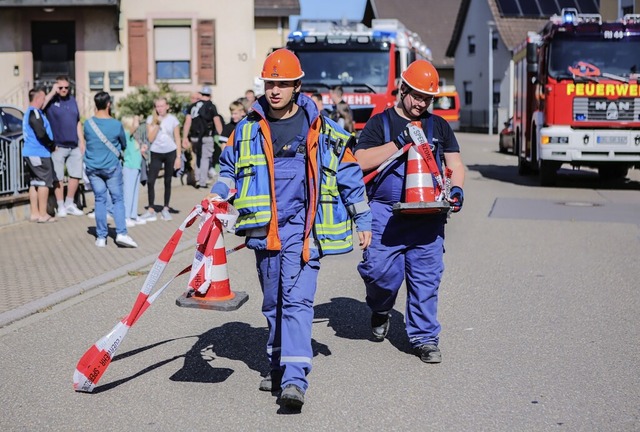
[350, 319]
[577, 179]
[234, 341]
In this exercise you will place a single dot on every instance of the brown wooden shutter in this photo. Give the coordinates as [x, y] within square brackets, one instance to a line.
[138, 53]
[206, 52]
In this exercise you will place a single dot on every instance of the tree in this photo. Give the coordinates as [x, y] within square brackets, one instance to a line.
[140, 101]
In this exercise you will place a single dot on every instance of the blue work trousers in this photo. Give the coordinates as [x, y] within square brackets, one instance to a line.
[288, 283]
[407, 248]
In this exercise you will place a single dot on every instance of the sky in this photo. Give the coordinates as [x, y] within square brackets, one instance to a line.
[329, 9]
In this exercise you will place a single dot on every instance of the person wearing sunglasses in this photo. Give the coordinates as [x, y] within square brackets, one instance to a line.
[62, 111]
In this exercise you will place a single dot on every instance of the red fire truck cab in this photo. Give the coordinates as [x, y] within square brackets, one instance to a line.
[577, 96]
[366, 62]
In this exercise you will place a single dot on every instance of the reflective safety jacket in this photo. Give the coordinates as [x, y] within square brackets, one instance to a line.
[333, 180]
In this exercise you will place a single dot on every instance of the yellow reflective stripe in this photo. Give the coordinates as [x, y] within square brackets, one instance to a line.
[337, 244]
[245, 147]
[254, 219]
[332, 131]
[258, 201]
[254, 160]
[332, 229]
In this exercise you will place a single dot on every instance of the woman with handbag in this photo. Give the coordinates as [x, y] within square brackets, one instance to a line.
[105, 139]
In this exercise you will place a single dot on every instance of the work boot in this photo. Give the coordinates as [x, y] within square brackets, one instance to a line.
[292, 397]
[429, 353]
[380, 325]
[271, 382]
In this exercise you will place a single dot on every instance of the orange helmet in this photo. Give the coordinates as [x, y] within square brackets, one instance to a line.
[281, 65]
[422, 77]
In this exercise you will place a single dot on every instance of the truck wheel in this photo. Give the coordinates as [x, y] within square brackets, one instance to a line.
[548, 173]
[523, 166]
[613, 172]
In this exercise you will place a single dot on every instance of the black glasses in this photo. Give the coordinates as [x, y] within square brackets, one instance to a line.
[64, 88]
[421, 97]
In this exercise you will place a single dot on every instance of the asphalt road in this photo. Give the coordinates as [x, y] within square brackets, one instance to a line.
[539, 308]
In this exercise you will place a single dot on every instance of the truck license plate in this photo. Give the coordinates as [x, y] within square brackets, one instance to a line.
[612, 140]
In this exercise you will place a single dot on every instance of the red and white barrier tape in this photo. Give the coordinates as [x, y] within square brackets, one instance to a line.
[95, 361]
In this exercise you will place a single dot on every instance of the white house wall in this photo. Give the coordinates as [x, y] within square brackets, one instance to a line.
[97, 47]
[474, 68]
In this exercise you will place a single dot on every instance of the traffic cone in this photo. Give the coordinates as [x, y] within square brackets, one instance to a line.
[209, 286]
[420, 191]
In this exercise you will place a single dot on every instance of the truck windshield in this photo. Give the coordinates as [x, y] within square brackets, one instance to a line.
[620, 57]
[347, 68]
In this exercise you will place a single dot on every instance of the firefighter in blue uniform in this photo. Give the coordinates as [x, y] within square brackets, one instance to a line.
[298, 187]
[407, 247]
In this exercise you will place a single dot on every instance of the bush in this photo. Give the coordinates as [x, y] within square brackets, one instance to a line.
[140, 102]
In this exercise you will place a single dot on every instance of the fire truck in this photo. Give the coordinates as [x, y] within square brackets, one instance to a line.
[365, 62]
[446, 104]
[577, 97]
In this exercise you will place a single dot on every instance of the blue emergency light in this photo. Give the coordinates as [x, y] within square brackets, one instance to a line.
[569, 15]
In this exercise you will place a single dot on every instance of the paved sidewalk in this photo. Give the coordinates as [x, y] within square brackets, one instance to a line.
[44, 264]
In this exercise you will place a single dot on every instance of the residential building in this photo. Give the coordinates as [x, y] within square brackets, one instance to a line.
[116, 45]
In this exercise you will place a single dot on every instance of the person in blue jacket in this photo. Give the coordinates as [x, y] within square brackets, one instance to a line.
[38, 145]
[297, 187]
[407, 247]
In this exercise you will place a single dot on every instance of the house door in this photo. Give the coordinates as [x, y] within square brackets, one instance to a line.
[53, 48]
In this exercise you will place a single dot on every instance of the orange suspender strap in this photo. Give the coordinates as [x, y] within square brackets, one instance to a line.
[312, 176]
[273, 238]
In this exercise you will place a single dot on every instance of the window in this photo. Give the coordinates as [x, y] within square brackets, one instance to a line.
[172, 52]
[468, 93]
[496, 92]
[471, 43]
[494, 40]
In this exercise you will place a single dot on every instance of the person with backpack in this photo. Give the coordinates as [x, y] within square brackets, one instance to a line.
[201, 124]
[407, 247]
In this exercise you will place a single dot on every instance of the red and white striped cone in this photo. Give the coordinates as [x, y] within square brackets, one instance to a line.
[418, 182]
[421, 196]
[209, 286]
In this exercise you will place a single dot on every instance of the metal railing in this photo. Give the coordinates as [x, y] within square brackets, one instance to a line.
[13, 179]
[17, 96]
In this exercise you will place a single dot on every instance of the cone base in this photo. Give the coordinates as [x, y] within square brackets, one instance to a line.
[189, 300]
[433, 207]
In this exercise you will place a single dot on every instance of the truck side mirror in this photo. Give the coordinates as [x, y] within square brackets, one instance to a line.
[532, 57]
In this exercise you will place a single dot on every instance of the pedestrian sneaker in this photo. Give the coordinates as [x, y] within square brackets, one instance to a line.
[149, 216]
[129, 223]
[292, 397]
[380, 325]
[429, 353]
[101, 242]
[139, 221]
[166, 215]
[73, 209]
[61, 212]
[125, 241]
[92, 215]
[271, 382]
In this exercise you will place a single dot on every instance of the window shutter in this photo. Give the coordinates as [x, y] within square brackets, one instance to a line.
[206, 52]
[138, 57]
